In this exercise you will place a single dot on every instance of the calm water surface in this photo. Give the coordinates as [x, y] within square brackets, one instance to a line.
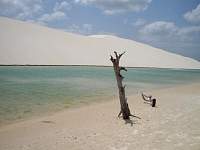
[32, 91]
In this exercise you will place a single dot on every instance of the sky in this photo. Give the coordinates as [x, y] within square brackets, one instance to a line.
[173, 25]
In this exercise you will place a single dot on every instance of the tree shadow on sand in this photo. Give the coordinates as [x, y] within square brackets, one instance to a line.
[48, 121]
[131, 120]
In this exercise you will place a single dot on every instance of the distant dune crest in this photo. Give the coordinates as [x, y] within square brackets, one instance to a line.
[26, 43]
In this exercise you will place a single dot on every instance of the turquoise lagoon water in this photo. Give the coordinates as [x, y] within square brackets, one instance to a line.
[27, 91]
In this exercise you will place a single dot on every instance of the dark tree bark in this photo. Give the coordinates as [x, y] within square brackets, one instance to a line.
[125, 111]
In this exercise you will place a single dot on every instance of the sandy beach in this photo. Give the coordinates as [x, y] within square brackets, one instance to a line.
[173, 124]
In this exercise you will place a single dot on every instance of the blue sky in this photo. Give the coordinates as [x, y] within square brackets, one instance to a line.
[173, 25]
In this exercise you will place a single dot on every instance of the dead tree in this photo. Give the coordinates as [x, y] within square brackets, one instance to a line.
[125, 111]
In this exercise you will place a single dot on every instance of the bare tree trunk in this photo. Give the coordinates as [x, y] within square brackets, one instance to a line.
[125, 111]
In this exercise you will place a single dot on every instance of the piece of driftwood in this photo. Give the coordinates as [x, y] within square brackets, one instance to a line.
[153, 102]
[148, 99]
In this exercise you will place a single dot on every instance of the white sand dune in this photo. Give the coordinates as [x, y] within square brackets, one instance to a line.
[26, 43]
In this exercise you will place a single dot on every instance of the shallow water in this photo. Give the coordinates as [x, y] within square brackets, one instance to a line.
[32, 91]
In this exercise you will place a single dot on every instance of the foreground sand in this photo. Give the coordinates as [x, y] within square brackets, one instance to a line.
[173, 125]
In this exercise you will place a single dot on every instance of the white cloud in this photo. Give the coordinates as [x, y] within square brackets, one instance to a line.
[88, 27]
[167, 35]
[191, 33]
[20, 9]
[159, 28]
[194, 15]
[58, 15]
[62, 6]
[85, 29]
[139, 22]
[167, 32]
[29, 13]
[33, 11]
[117, 6]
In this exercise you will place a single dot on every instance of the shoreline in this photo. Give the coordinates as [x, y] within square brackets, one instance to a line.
[173, 124]
[83, 104]
[99, 66]
[71, 106]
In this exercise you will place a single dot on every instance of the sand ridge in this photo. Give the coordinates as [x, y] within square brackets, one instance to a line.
[25, 43]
